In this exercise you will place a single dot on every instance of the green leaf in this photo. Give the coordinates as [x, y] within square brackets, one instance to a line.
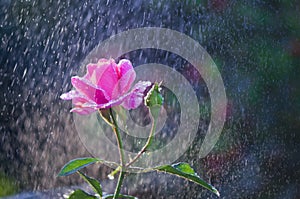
[120, 196]
[76, 164]
[184, 170]
[79, 194]
[95, 184]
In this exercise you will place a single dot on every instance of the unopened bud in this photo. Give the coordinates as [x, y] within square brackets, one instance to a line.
[154, 96]
[154, 100]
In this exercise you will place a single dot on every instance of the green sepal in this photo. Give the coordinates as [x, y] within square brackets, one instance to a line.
[79, 194]
[105, 115]
[154, 96]
[184, 170]
[95, 184]
[77, 164]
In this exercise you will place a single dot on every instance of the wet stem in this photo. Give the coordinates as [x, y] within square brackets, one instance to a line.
[148, 143]
[154, 114]
[121, 152]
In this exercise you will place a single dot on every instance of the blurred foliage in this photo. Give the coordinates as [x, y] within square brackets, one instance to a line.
[7, 186]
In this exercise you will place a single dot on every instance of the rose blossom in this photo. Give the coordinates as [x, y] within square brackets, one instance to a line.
[106, 84]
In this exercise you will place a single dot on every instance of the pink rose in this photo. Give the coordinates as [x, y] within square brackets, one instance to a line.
[106, 84]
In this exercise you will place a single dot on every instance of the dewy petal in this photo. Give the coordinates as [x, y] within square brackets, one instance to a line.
[85, 88]
[83, 111]
[106, 77]
[76, 97]
[109, 104]
[136, 96]
[69, 95]
[80, 106]
[79, 102]
[105, 85]
[123, 85]
[91, 67]
[126, 75]
[96, 70]
[112, 103]
[124, 66]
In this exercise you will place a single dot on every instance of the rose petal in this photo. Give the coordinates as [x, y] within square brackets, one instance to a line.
[69, 95]
[83, 111]
[80, 105]
[106, 77]
[136, 96]
[109, 104]
[79, 101]
[96, 70]
[85, 88]
[126, 75]
[75, 95]
[106, 84]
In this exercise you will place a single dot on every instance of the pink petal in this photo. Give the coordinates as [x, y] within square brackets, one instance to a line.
[85, 88]
[83, 111]
[126, 75]
[91, 67]
[79, 101]
[69, 95]
[96, 70]
[136, 96]
[106, 84]
[80, 106]
[109, 104]
[124, 66]
[106, 77]
[76, 97]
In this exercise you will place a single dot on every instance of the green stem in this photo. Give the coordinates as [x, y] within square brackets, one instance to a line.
[114, 172]
[148, 143]
[118, 136]
[119, 184]
[121, 152]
